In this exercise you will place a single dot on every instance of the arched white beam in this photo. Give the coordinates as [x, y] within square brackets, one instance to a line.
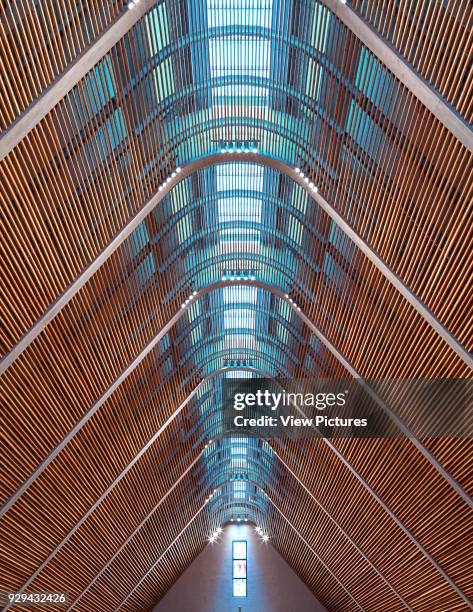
[155, 564]
[345, 533]
[403, 427]
[337, 526]
[297, 532]
[111, 389]
[168, 185]
[327, 441]
[194, 462]
[77, 70]
[133, 533]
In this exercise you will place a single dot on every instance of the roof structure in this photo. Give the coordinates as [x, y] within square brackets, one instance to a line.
[194, 190]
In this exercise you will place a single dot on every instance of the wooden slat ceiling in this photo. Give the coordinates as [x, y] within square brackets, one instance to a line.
[116, 514]
[415, 28]
[38, 41]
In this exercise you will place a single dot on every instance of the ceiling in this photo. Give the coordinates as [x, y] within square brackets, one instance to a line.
[203, 189]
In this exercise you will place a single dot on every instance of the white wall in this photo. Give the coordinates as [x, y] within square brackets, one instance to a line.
[206, 586]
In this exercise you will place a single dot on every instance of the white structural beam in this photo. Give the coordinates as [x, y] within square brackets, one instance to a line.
[155, 564]
[186, 171]
[406, 74]
[403, 427]
[326, 567]
[346, 535]
[102, 45]
[327, 441]
[69, 78]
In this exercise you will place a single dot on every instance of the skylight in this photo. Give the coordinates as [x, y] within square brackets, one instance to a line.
[239, 489]
[242, 294]
[235, 203]
[239, 318]
[240, 176]
[236, 57]
[252, 13]
[238, 374]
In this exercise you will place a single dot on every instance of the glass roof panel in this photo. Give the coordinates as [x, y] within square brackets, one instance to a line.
[239, 12]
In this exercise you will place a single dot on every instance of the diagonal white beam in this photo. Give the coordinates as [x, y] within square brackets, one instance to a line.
[326, 512]
[105, 494]
[326, 567]
[69, 78]
[342, 530]
[203, 162]
[133, 534]
[156, 563]
[339, 455]
[125, 471]
[456, 486]
[333, 521]
[98, 49]
[406, 74]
